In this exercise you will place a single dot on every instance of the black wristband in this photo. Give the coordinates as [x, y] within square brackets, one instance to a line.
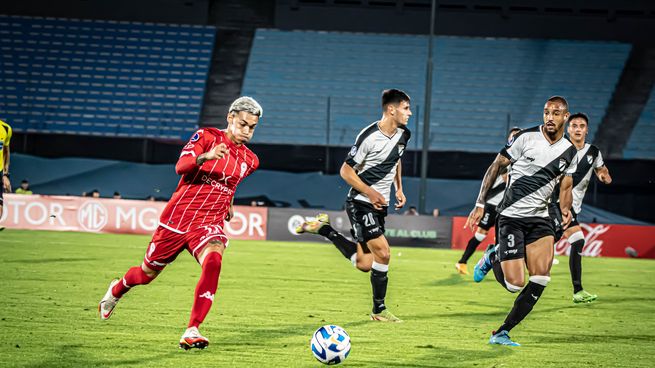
[6, 174]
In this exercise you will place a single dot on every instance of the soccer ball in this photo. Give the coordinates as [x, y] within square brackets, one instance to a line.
[330, 344]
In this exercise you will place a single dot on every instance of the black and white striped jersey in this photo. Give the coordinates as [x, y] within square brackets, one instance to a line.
[536, 167]
[495, 194]
[375, 157]
[589, 158]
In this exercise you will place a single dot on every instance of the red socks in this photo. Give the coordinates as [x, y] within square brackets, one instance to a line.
[133, 277]
[206, 288]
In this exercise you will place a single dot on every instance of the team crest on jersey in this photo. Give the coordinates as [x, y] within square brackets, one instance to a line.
[590, 159]
[196, 136]
[353, 151]
[510, 140]
[244, 167]
[401, 149]
[562, 164]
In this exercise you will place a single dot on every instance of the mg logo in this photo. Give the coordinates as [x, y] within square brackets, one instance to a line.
[92, 216]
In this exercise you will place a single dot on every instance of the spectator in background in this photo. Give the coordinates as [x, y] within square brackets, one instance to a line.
[117, 196]
[24, 187]
[435, 212]
[411, 211]
[150, 198]
[95, 193]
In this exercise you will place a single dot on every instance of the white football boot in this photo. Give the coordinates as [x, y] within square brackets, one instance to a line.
[193, 339]
[108, 302]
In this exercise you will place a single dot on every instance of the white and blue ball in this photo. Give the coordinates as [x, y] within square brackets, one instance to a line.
[330, 344]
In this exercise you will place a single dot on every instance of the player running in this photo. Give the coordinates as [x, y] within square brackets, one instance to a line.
[488, 220]
[539, 156]
[589, 160]
[372, 165]
[212, 164]
[5, 139]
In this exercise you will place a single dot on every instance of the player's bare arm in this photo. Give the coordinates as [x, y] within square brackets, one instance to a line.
[566, 199]
[398, 184]
[350, 176]
[215, 153]
[603, 175]
[6, 183]
[500, 163]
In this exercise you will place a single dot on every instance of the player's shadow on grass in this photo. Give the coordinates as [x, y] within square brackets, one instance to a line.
[51, 260]
[451, 280]
[258, 335]
[494, 312]
[440, 356]
[582, 338]
[70, 355]
[615, 300]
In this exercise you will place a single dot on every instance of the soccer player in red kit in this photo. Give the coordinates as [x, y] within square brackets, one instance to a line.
[212, 164]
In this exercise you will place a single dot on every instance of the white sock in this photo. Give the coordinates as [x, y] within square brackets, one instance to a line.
[353, 259]
[380, 267]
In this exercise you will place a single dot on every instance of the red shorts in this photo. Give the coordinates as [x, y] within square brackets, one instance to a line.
[166, 244]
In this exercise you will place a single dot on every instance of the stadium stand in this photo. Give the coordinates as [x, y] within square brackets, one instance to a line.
[642, 140]
[105, 78]
[477, 82]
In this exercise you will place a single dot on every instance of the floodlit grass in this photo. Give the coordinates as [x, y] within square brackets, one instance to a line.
[273, 295]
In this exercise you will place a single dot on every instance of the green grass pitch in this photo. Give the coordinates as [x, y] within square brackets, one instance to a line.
[273, 295]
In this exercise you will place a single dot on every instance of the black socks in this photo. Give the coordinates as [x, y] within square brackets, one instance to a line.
[575, 264]
[470, 249]
[379, 282]
[522, 305]
[345, 246]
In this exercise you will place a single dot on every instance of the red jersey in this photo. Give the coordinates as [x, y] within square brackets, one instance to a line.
[204, 193]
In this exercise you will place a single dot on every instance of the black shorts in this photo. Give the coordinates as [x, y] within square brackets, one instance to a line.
[514, 234]
[488, 217]
[2, 190]
[556, 216]
[367, 222]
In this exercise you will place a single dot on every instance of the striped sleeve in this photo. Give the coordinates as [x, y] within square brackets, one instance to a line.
[599, 161]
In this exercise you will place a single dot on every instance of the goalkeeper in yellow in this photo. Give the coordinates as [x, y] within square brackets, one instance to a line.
[5, 138]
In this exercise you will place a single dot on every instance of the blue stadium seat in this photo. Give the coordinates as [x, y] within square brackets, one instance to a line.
[477, 83]
[642, 141]
[101, 77]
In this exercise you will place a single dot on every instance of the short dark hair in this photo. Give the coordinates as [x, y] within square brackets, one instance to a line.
[559, 99]
[514, 129]
[579, 115]
[393, 96]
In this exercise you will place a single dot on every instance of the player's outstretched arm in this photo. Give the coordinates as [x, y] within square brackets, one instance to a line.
[350, 176]
[500, 163]
[603, 175]
[566, 199]
[398, 184]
